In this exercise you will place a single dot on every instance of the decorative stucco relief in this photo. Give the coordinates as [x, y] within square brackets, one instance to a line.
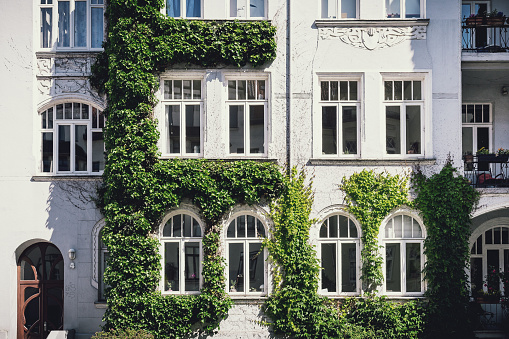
[372, 38]
[79, 86]
[44, 86]
[44, 66]
[72, 65]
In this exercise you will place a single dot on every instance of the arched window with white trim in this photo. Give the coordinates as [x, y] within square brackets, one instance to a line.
[181, 242]
[339, 249]
[490, 251]
[403, 242]
[244, 239]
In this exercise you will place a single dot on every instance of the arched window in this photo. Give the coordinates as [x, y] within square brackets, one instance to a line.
[72, 139]
[339, 254]
[182, 254]
[243, 238]
[489, 252]
[403, 240]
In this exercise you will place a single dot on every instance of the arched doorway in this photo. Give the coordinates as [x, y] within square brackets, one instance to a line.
[40, 291]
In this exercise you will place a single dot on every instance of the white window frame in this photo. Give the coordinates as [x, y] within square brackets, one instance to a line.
[245, 241]
[331, 9]
[402, 241]
[181, 241]
[183, 15]
[425, 114]
[245, 7]
[164, 124]
[53, 41]
[99, 252]
[402, 11]
[481, 232]
[475, 125]
[339, 104]
[43, 114]
[246, 103]
[339, 241]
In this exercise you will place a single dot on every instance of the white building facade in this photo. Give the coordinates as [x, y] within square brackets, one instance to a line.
[383, 85]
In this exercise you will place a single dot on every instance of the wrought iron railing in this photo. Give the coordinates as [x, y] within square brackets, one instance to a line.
[487, 171]
[485, 34]
[492, 316]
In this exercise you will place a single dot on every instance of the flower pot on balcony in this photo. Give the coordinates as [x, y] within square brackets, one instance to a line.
[474, 21]
[502, 157]
[495, 21]
[486, 157]
[488, 299]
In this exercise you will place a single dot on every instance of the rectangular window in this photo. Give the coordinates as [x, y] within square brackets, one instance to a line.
[404, 117]
[247, 114]
[339, 106]
[476, 127]
[339, 9]
[403, 8]
[77, 24]
[183, 102]
[183, 8]
[247, 9]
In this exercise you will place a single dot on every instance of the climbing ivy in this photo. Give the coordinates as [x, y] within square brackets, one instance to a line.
[446, 201]
[139, 187]
[370, 197]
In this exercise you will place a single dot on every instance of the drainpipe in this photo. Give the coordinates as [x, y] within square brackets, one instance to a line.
[288, 86]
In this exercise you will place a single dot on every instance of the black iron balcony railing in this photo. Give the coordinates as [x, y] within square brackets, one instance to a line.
[493, 316]
[487, 171]
[485, 34]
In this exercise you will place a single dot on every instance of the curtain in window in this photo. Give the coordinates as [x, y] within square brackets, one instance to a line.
[173, 8]
[46, 19]
[193, 9]
[63, 24]
[97, 27]
[80, 24]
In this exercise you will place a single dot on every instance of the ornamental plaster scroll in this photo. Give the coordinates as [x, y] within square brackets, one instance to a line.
[72, 65]
[372, 38]
[44, 66]
[44, 86]
[79, 86]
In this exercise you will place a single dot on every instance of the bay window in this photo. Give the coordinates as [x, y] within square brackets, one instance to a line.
[339, 114]
[404, 117]
[72, 139]
[404, 8]
[340, 9]
[339, 249]
[181, 238]
[72, 24]
[245, 258]
[403, 241]
[247, 112]
[183, 131]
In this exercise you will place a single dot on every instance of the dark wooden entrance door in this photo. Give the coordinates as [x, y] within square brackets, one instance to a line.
[40, 291]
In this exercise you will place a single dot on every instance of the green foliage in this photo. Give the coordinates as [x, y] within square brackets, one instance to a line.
[295, 307]
[380, 318]
[370, 197]
[446, 201]
[123, 334]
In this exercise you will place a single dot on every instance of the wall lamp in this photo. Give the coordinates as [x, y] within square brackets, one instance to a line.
[504, 90]
[72, 256]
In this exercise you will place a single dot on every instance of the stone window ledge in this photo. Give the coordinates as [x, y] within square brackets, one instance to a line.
[50, 178]
[371, 162]
[372, 23]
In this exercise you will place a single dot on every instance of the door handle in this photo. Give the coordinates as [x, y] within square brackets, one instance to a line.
[45, 327]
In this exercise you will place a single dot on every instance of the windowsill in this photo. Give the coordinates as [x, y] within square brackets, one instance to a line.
[81, 177]
[372, 162]
[101, 305]
[64, 53]
[371, 23]
[229, 159]
[223, 19]
[247, 298]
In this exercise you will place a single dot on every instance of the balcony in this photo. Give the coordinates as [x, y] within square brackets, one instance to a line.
[492, 319]
[487, 171]
[485, 34]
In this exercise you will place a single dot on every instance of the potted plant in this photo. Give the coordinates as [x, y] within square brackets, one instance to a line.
[233, 286]
[484, 155]
[474, 20]
[492, 284]
[503, 154]
[495, 18]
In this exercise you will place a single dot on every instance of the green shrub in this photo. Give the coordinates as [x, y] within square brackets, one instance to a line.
[123, 334]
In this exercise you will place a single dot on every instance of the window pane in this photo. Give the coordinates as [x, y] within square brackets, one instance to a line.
[177, 225]
[68, 111]
[97, 27]
[97, 152]
[196, 89]
[177, 89]
[251, 89]
[388, 90]
[334, 90]
[167, 89]
[329, 267]
[192, 266]
[241, 226]
[407, 226]
[349, 130]
[261, 89]
[412, 9]
[323, 230]
[80, 148]
[479, 245]
[171, 266]
[348, 268]
[413, 267]
[483, 137]
[186, 84]
[80, 24]
[413, 130]
[257, 8]
[173, 8]
[196, 228]
[64, 39]
[392, 128]
[467, 141]
[84, 111]
[478, 113]
[256, 269]
[343, 90]
[167, 229]
[417, 90]
[76, 111]
[353, 229]
[398, 226]
[392, 268]
[389, 229]
[241, 90]
[50, 117]
[94, 117]
[47, 152]
[193, 9]
[256, 129]
[251, 228]
[493, 263]
[398, 90]
[476, 279]
[173, 116]
[324, 90]
[392, 8]
[496, 235]
[236, 267]
[329, 131]
[236, 129]
[231, 230]
[46, 27]
[333, 226]
[505, 237]
[486, 113]
[232, 90]
[353, 90]
[193, 129]
[407, 90]
[233, 8]
[64, 148]
[470, 113]
[343, 226]
[348, 9]
[187, 225]
[260, 229]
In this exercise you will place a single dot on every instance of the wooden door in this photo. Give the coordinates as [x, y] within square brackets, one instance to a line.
[40, 291]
